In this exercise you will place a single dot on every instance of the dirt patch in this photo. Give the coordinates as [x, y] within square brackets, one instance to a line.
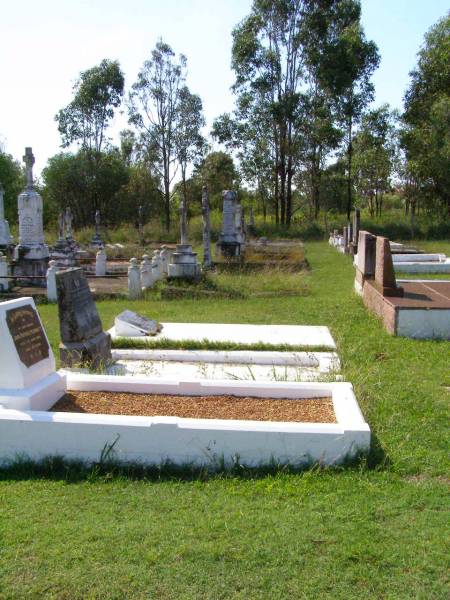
[306, 410]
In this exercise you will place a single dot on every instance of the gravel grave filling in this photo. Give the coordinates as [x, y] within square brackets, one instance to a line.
[303, 410]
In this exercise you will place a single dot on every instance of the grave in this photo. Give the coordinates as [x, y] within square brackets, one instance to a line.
[229, 243]
[31, 254]
[82, 337]
[183, 262]
[28, 380]
[416, 309]
[244, 334]
[65, 250]
[421, 263]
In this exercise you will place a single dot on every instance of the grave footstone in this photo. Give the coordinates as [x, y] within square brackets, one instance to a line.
[28, 380]
[131, 324]
[384, 270]
[82, 337]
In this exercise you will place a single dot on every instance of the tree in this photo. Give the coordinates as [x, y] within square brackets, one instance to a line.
[153, 106]
[375, 152]
[11, 177]
[426, 137]
[97, 93]
[75, 180]
[189, 142]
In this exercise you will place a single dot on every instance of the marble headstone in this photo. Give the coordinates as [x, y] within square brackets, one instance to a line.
[82, 337]
[28, 380]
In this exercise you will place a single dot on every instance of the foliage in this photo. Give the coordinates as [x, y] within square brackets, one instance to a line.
[154, 103]
[11, 177]
[426, 137]
[97, 93]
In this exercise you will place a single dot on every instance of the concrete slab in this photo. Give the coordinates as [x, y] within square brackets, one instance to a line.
[243, 334]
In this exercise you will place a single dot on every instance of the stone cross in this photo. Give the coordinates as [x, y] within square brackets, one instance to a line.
[206, 229]
[28, 159]
[183, 221]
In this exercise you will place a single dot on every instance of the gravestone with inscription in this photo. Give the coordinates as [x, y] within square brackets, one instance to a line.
[31, 254]
[229, 244]
[28, 380]
[83, 340]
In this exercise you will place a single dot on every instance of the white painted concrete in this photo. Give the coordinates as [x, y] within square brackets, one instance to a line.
[200, 441]
[424, 324]
[423, 267]
[418, 258]
[275, 335]
[185, 365]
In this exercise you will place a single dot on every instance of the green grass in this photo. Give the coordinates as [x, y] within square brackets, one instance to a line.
[377, 530]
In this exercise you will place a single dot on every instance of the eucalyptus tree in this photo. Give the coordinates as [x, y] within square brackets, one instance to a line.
[190, 145]
[375, 156]
[97, 93]
[426, 137]
[153, 109]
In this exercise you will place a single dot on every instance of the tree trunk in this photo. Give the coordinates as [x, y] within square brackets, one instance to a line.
[349, 166]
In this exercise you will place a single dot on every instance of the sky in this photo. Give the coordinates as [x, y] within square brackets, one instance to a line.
[45, 44]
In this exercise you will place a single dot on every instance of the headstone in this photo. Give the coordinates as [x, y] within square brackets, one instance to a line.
[157, 267]
[183, 262]
[4, 282]
[31, 254]
[384, 269]
[130, 324]
[52, 294]
[207, 262]
[165, 256]
[141, 224]
[366, 254]
[100, 263]
[82, 337]
[228, 243]
[356, 227]
[28, 380]
[147, 279]
[97, 241]
[134, 280]
[5, 234]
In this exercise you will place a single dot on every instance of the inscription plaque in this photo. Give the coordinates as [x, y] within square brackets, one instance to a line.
[27, 334]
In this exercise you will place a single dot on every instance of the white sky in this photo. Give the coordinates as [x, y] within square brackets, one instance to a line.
[44, 44]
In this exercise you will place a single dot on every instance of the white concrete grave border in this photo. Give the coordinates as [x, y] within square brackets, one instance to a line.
[154, 440]
[243, 334]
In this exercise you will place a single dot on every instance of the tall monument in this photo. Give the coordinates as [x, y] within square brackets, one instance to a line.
[5, 235]
[230, 239]
[183, 262]
[31, 254]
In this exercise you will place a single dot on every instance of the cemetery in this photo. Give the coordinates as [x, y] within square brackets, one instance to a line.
[224, 300]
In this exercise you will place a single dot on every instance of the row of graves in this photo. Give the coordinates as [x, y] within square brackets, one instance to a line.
[153, 406]
[32, 263]
[406, 259]
[413, 308]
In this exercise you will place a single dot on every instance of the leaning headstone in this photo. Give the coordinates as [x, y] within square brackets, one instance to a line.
[134, 280]
[384, 270]
[5, 235]
[31, 254]
[4, 281]
[82, 337]
[130, 324]
[52, 294]
[28, 380]
[207, 262]
[100, 263]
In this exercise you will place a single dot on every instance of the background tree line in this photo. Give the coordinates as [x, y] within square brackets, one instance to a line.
[303, 137]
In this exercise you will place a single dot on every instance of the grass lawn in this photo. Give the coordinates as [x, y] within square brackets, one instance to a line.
[378, 530]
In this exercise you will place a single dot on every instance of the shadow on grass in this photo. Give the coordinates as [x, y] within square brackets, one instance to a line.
[57, 468]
